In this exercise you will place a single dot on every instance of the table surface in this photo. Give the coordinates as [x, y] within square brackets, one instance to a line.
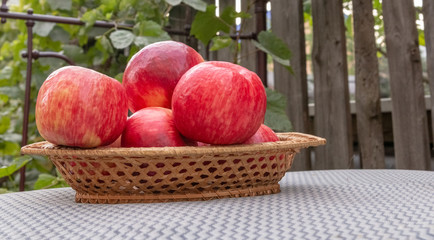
[332, 204]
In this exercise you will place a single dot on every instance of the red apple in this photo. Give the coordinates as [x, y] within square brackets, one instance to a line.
[151, 127]
[80, 107]
[153, 72]
[219, 103]
[264, 134]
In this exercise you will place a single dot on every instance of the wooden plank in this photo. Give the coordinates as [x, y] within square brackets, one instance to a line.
[248, 50]
[368, 107]
[428, 16]
[287, 22]
[410, 126]
[332, 109]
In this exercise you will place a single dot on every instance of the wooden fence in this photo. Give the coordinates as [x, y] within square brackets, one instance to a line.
[332, 118]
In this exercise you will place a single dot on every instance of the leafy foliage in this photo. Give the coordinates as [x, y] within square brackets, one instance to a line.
[138, 23]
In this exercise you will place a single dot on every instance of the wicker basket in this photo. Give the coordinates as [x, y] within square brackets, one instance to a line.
[127, 175]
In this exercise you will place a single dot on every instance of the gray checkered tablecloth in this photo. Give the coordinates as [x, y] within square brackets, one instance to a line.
[334, 204]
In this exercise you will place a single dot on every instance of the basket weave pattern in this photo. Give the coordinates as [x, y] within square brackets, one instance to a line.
[122, 175]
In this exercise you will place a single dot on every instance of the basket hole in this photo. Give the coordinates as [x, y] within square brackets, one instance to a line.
[200, 189]
[217, 177]
[256, 174]
[248, 180]
[70, 163]
[160, 165]
[70, 181]
[281, 165]
[189, 178]
[249, 185]
[128, 164]
[226, 169]
[183, 170]
[83, 164]
[176, 164]
[206, 163]
[143, 181]
[185, 156]
[261, 159]
[282, 156]
[128, 181]
[203, 176]
[158, 180]
[173, 179]
[191, 163]
[143, 165]
[198, 169]
[274, 174]
[266, 174]
[86, 186]
[156, 192]
[250, 160]
[171, 191]
[237, 161]
[223, 183]
[150, 187]
[212, 169]
[78, 180]
[105, 173]
[80, 172]
[120, 173]
[221, 162]
[227, 187]
[241, 168]
[253, 166]
[114, 181]
[258, 180]
[244, 175]
[136, 188]
[165, 186]
[238, 186]
[91, 172]
[88, 180]
[180, 185]
[151, 173]
[194, 184]
[215, 188]
[264, 166]
[95, 164]
[111, 165]
[232, 175]
[167, 172]
[272, 158]
[135, 173]
[95, 186]
[100, 181]
[235, 182]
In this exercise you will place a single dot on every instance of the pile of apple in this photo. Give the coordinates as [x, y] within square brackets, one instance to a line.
[177, 99]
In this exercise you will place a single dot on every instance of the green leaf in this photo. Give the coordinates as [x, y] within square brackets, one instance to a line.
[9, 148]
[90, 17]
[121, 38]
[60, 4]
[59, 34]
[196, 4]
[275, 116]
[5, 122]
[148, 28]
[4, 98]
[16, 164]
[271, 44]
[173, 2]
[206, 24]
[43, 29]
[49, 181]
[12, 92]
[220, 42]
[4, 190]
[6, 73]
[144, 41]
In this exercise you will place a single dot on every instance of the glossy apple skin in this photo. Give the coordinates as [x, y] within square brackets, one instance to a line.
[151, 127]
[80, 107]
[219, 103]
[153, 72]
[264, 134]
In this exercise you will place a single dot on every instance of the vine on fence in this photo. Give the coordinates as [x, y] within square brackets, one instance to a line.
[104, 50]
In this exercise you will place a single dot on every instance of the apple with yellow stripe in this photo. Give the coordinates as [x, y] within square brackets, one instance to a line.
[153, 72]
[80, 107]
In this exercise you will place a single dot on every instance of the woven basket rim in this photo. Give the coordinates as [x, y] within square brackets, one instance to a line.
[289, 140]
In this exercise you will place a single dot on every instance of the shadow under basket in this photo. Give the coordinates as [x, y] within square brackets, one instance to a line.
[165, 174]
